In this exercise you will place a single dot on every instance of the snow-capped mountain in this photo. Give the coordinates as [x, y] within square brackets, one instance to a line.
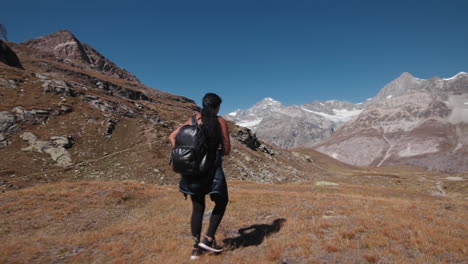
[293, 126]
[410, 121]
[253, 116]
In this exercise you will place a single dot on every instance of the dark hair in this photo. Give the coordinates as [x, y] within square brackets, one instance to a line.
[210, 121]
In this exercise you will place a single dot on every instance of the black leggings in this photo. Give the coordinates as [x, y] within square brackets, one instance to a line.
[198, 205]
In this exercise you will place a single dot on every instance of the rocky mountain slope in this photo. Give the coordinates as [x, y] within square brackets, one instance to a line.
[66, 48]
[411, 121]
[295, 126]
[64, 118]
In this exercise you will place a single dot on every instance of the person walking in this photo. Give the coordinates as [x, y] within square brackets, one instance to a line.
[213, 182]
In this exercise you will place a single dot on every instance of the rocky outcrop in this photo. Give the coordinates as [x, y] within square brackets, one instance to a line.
[57, 86]
[8, 83]
[65, 47]
[99, 104]
[110, 128]
[8, 56]
[7, 123]
[56, 147]
[113, 89]
[245, 136]
[33, 116]
[7, 127]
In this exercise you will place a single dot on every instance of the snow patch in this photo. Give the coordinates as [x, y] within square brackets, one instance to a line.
[334, 155]
[455, 76]
[341, 115]
[390, 96]
[233, 113]
[250, 124]
[466, 103]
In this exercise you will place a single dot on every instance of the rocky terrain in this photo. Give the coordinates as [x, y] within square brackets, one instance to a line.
[64, 118]
[411, 121]
[66, 48]
[295, 126]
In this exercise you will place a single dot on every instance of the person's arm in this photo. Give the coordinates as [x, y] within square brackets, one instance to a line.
[172, 136]
[225, 134]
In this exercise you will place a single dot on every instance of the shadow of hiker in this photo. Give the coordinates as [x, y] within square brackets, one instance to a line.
[253, 235]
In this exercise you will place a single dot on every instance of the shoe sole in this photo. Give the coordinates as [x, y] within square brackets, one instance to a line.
[209, 248]
[194, 257]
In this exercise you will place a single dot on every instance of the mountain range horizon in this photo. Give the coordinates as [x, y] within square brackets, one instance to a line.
[351, 101]
[312, 124]
[315, 124]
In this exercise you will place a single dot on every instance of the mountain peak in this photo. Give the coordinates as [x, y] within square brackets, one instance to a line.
[63, 32]
[65, 47]
[406, 75]
[401, 85]
[455, 76]
[269, 100]
[62, 44]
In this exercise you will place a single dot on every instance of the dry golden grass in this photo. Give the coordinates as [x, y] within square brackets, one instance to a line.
[128, 222]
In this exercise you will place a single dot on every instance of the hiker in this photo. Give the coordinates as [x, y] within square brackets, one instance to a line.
[212, 182]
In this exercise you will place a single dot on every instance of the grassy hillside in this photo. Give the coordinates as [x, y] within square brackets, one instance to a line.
[313, 222]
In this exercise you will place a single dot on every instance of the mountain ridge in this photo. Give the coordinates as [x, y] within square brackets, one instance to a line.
[64, 46]
[423, 122]
[405, 104]
[274, 122]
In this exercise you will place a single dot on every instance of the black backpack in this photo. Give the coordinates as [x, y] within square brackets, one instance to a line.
[189, 156]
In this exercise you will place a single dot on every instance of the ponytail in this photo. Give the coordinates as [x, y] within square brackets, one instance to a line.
[210, 122]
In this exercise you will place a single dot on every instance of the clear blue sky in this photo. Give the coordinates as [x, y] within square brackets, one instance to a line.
[293, 51]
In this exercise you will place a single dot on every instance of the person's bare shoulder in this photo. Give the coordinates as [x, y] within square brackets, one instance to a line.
[221, 119]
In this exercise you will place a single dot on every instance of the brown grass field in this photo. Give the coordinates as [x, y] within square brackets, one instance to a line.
[129, 222]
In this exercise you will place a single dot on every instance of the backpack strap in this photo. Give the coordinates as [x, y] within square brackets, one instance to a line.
[194, 120]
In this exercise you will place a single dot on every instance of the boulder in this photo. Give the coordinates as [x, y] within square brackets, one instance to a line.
[8, 83]
[8, 56]
[110, 128]
[97, 103]
[55, 147]
[245, 136]
[34, 116]
[63, 109]
[8, 123]
[4, 142]
[65, 142]
[57, 86]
